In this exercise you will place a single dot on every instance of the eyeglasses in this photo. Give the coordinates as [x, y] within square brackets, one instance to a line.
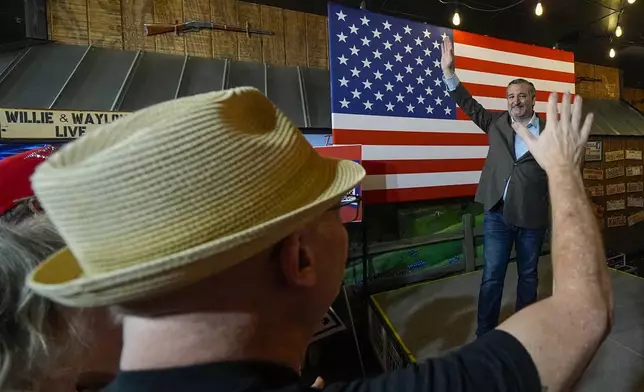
[350, 207]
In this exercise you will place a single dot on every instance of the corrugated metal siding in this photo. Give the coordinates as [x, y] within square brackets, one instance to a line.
[101, 70]
[614, 118]
[74, 77]
[39, 76]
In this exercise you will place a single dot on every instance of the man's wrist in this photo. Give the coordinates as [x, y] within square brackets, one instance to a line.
[448, 73]
[563, 172]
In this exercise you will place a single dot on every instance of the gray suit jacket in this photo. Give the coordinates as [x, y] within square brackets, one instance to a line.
[527, 203]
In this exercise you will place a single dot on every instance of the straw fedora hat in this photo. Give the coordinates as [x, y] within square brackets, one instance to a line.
[177, 192]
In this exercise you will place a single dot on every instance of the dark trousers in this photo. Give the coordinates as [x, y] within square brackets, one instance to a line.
[498, 241]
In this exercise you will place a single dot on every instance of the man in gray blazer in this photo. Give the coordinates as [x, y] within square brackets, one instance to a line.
[513, 190]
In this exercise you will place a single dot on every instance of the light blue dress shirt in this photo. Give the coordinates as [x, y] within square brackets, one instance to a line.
[520, 148]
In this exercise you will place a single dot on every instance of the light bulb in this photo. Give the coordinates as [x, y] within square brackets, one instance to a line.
[611, 53]
[456, 19]
[538, 9]
[631, 1]
[618, 31]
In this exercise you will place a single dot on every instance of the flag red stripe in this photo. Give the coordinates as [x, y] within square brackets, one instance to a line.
[413, 166]
[341, 152]
[513, 70]
[483, 90]
[513, 47]
[408, 138]
[413, 194]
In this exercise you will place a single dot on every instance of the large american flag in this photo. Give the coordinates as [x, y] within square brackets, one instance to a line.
[388, 95]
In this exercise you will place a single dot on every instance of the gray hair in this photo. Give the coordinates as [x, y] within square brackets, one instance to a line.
[34, 331]
[531, 88]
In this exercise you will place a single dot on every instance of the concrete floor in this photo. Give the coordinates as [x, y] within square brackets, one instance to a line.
[436, 317]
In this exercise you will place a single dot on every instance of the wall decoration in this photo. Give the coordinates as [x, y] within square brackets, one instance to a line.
[616, 221]
[24, 124]
[595, 190]
[615, 205]
[598, 209]
[634, 154]
[634, 201]
[593, 174]
[636, 218]
[613, 156]
[635, 187]
[614, 189]
[633, 170]
[614, 172]
[593, 151]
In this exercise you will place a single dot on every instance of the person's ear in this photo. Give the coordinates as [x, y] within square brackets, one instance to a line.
[296, 261]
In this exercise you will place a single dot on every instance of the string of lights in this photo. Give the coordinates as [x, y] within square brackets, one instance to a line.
[538, 10]
[490, 9]
[618, 30]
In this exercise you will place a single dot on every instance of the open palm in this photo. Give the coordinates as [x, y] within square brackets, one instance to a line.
[447, 57]
[563, 141]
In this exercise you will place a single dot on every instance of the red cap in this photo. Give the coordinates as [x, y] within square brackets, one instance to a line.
[15, 173]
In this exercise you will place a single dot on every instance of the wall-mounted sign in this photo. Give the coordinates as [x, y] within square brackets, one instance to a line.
[636, 218]
[634, 154]
[612, 156]
[614, 172]
[633, 170]
[25, 124]
[595, 190]
[593, 151]
[615, 189]
[616, 221]
[635, 187]
[634, 201]
[593, 174]
[615, 205]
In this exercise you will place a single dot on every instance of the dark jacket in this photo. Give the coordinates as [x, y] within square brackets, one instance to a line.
[527, 204]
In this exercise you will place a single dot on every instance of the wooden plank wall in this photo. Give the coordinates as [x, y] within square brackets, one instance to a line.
[629, 188]
[300, 39]
[605, 81]
[634, 96]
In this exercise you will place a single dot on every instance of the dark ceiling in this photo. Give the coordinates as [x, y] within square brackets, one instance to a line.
[585, 27]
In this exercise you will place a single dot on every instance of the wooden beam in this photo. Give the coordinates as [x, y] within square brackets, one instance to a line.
[133, 15]
[198, 43]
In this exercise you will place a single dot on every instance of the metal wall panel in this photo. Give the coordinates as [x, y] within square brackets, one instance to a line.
[317, 90]
[6, 58]
[283, 88]
[202, 75]
[613, 117]
[88, 78]
[96, 81]
[155, 80]
[246, 73]
[634, 118]
[39, 76]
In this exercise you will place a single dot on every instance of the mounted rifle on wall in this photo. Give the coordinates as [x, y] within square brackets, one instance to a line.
[195, 25]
